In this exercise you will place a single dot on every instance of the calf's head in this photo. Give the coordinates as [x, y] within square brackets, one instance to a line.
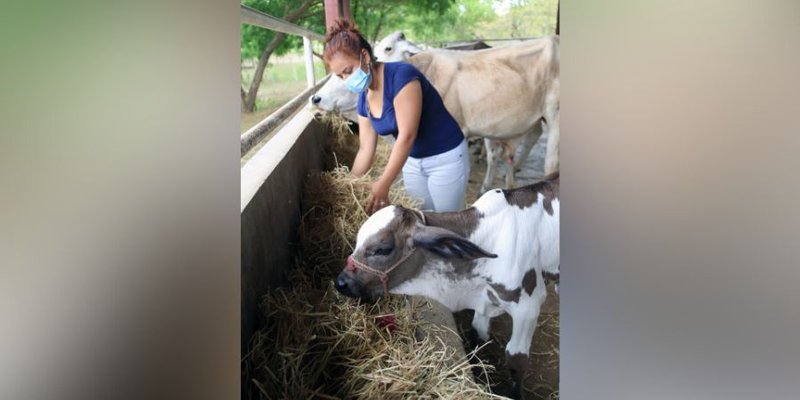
[393, 246]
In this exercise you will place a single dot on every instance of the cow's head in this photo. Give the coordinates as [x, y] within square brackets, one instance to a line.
[333, 96]
[395, 47]
[395, 244]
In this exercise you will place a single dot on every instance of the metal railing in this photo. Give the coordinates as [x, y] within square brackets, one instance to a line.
[255, 134]
[254, 17]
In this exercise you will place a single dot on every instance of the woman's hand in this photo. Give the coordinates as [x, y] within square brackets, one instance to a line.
[379, 196]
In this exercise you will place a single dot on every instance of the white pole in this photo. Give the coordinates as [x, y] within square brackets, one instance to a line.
[309, 62]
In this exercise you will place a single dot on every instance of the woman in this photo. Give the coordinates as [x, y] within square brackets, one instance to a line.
[396, 99]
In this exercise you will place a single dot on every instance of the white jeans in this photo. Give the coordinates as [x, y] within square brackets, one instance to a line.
[440, 180]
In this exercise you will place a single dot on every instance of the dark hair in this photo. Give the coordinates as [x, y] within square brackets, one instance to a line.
[344, 36]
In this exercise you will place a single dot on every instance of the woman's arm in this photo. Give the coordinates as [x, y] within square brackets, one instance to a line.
[367, 140]
[408, 109]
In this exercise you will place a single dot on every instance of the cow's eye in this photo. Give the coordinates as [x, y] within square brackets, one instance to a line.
[383, 251]
[388, 49]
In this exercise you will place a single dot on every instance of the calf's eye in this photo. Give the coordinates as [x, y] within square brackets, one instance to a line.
[383, 251]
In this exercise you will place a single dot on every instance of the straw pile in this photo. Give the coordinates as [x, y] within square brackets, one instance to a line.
[320, 344]
[342, 145]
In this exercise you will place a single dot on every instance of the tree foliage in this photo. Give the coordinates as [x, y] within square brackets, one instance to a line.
[423, 21]
[437, 22]
[462, 21]
[265, 42]
[254, 39]
[525, 18]
[377, 18]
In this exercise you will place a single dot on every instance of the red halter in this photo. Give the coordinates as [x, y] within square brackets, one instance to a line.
[353, 265]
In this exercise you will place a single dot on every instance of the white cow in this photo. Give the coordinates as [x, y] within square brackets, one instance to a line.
[334, 96]
[491, 257]
[500, 94]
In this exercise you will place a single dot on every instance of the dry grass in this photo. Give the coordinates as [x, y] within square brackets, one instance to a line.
[319, 344]
[342, 144]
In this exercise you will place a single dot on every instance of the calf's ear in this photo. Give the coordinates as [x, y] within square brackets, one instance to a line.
[447, 244]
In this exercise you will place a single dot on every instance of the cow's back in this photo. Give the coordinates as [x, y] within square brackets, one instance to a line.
[497, 91]
[522, 227]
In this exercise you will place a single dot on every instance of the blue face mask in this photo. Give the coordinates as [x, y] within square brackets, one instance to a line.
[358, 81]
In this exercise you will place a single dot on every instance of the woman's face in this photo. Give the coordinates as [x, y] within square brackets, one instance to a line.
[343, 64]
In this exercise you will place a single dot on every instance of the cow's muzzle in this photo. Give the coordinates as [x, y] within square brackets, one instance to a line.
[348, 286]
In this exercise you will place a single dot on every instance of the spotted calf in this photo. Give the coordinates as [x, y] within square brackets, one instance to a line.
[491, 258]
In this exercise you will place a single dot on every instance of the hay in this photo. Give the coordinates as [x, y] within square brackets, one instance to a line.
[319, 344]
[333, 203]
[340, 126]
[335, 210]
[341, 145]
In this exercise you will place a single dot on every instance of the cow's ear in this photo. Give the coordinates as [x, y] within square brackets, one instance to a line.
[409, 49]
[412, 49]
[448, 244]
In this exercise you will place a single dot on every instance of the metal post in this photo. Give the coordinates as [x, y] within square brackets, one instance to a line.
[331, 13]
[309, 56]
[558, 19]
[335, 9]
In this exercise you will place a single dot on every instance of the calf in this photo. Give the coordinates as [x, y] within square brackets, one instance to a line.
[490, 258]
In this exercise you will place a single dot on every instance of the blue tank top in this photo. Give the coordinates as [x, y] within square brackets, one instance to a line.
[438, 131]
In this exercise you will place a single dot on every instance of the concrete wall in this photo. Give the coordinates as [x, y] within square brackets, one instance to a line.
[272, 183]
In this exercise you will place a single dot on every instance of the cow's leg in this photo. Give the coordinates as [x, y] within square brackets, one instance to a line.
[529, 140]
[524, 318]
[551, 160]
[476, 147]
[481, 324]
[511, 163]
[490, 167]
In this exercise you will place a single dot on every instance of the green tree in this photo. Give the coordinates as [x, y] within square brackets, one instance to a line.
[376, 17]
[525, 18]
[459, 22]
[263, 43]
[372, 17]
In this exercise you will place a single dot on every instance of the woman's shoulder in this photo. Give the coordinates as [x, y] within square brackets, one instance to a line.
[400, 73]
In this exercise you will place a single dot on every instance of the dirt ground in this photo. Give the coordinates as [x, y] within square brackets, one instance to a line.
[542, 381]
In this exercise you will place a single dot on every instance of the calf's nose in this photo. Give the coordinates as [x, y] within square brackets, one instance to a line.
[315, 99]
[341, 284]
